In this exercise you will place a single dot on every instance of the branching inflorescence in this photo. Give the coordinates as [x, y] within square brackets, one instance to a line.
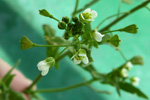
[78, 40]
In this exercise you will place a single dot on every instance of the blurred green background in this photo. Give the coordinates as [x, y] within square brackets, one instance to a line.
[21, 17]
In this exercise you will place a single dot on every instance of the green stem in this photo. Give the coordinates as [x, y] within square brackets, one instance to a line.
[38, 45]
[108, 18]
[62, 56]
[65, 88]
[60, 53]
[147, 8]
[55, 19]
[122, 54]
[33, 83]
[119, 8]
[87, 5]
[75, 9]
[125, 15]
[111, 31]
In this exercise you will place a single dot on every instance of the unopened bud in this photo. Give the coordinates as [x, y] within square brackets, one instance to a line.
[61, 25]
[65, 19]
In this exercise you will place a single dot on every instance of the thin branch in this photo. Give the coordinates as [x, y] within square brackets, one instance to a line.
[123, 16]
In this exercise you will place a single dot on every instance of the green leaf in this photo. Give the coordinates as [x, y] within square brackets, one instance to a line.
[137, 60]
[130, 29]
[51, 39]
[131, 89]
[115, 83]
[15, 95]
[26, 43]
[45, 13]
[9, 72]
[35, 96]
[9, 80]
[114, 40]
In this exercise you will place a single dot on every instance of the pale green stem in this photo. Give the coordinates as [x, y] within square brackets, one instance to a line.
[33, 83]
[87, 5]
[65, 88]
[99, 91]
[119, 8]
[60, 53]
[111, 31]
[75, 9]
[108, 18]
[38, 45]
[147, 8]
[122, 54]
[124, 15]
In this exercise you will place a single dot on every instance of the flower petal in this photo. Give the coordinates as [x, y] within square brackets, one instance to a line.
[89, 20]
[77, 61]
[129, 65]
[94, 14]
[82, 52]
[42, 65]
[88, 10]
[44, 72]
[82, 17]
[98, 36]
[124, 72]
[85, 60]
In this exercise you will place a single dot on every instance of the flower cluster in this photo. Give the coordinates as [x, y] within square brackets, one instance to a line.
[124, 74]
[80, 56]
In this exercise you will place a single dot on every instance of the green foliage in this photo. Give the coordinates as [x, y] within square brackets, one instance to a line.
[6, 93]
[7, 79]
[131, 89]
[26, 43]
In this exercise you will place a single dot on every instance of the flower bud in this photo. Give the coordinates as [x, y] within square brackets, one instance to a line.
[75, 19]
[134, 80]
[65, 19]
[128, 65]
[61, 25]
[124, 73]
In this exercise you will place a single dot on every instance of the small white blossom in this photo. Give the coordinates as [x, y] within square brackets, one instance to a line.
[45, 65]
[124, 73]
[80, 56]
[88, 15]
[135, 80]
[128, 65]
[97, 35]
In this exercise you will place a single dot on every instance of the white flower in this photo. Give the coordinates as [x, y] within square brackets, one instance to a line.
[45, 65]
[80, 56]
[135, 80]
[97, 35]
[124, 73]
[128, 65]
[88, 15]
